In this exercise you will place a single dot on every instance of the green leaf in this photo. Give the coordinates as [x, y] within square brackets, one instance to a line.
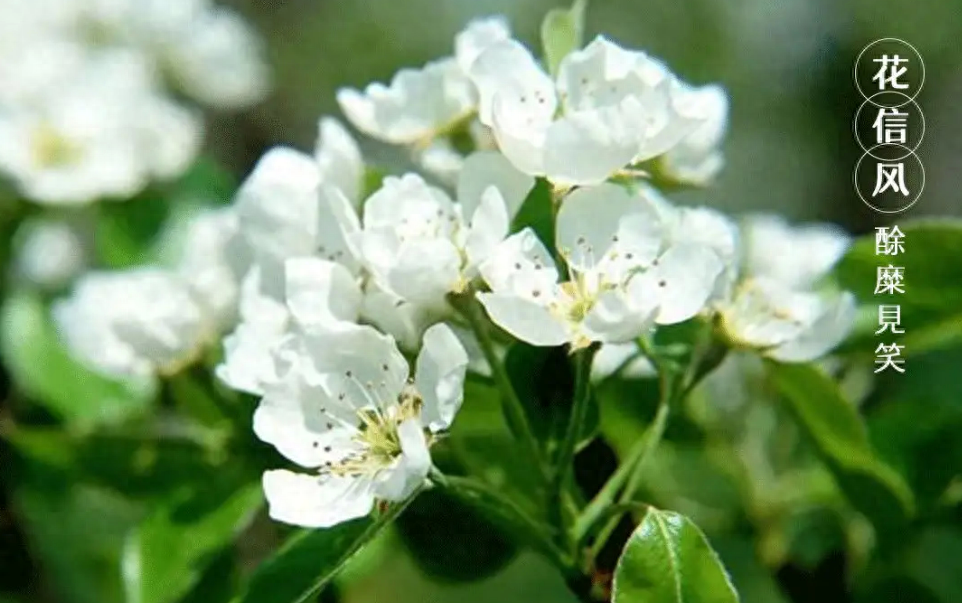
[931, 306]
[841, 438]
[311, 559]
[165, 557]
[135, 465]
[544, 380]
[537, 213]
[452, 542]
[668, 560]
[76, 534]
[126, 232]
[562, 31]
[42, 369]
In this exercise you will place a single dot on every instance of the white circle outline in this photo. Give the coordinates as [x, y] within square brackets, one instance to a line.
[858, 86]
[882, 211]
[868, 150]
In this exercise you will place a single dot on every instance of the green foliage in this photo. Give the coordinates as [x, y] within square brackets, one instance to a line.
[838, 433]
[544, 381]
[562, 31]
[42, 369]
[668, 560]
[932, 302]
[450, 541]
[167, 553]
[309, 561]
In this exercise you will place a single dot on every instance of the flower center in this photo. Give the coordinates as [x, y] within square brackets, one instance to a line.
[377, 438]
[51, 149]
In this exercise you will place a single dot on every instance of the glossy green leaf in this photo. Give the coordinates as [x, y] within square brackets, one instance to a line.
[165, 557]
[834, 426]
[668, 560]
[310, 560]
[451, 541]
[931, 306]
[562, 31]
[42, 369]
[544, 380]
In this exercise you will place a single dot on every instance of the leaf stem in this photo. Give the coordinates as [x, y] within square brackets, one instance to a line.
[514, 413]
[632, 471]
[579, 415]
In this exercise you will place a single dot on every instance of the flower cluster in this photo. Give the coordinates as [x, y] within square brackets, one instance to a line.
[84, 111]
[334, 280]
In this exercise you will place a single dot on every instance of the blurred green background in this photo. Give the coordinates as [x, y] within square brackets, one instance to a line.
[787, 65]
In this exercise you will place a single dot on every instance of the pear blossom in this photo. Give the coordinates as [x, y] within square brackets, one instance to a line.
[697, 158]
[785, 324]
[798, 256]
[133, 323]
[607, 110]
[419, 245]
[105, 134]
[422, 104]
[776, 307]
[213, 262]
[318, 293]
[295, 205]
[625, 274]
[346, 411]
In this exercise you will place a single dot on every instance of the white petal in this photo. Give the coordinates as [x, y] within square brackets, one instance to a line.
[316, 502]
[426, 271]
[321, 292]
[586, 147]
[488, 227]
[606, 227]
[525, 320]
[625, 356]
[304, 423]
[488, 168]
[439, 377]
[521, 265]
[478, 36]
[359, 362]
[507, 68]
[796, 255]
[823, 335]
[614, 318]
[682, 282]
[277, 206]
[339, 159]
[399, 482]
[416, 105]
[402, 320]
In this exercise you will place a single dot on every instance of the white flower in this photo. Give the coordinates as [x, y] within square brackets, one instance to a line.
[133, 323]
[213, 261]
[610, 108]
[798, 256]
[292, 205]
[419, 245]
[625, 274]
[218, 60]
[346, 410]
[421, 104]
[50, 253]
[318, 294]
[697, 158]
[787, 325]
[702, 226]
[65, 148]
